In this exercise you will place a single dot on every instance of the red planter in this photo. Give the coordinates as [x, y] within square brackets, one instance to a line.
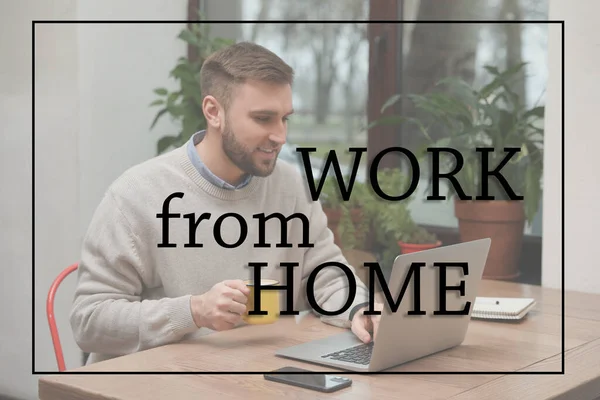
[406, 248]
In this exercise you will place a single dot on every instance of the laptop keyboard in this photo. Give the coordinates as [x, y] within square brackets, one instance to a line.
[360, 354]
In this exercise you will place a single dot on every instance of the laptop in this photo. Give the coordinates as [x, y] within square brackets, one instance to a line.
[401, 337]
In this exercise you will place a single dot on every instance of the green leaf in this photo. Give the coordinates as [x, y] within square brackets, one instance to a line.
[390, 102]
[452, 106]
[185, 104]
[157, 117]
[191, 124]
[387, 121]
[535, 112]
[500, 79]
[222, 42]
[492, 70]
[176, 110]
[488, 89]
[185, 73]
[188, 37]
[192, 94]
[172, 98]
[514, 69]
[522, 154]
[165, 142]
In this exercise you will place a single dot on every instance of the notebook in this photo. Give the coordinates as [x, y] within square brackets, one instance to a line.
[512, 308]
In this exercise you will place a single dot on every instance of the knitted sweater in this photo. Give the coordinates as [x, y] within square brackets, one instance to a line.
[134, 293]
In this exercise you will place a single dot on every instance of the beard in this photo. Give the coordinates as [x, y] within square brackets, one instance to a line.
[242, 156]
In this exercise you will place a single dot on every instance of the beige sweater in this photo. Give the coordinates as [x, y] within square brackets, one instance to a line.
[134, 295]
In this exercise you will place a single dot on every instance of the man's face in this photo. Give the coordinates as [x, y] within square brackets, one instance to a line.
[256, 126]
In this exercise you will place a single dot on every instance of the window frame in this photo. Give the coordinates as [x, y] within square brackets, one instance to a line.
[389, 65]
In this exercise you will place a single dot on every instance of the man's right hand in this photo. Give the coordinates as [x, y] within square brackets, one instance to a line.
[222, 307]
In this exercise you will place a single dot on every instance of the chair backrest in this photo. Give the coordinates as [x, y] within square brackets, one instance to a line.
[50, 314]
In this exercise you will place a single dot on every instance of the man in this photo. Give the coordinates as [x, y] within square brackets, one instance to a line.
[168, 247]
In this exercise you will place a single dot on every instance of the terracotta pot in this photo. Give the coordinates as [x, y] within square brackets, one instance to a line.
[406, 248]
[501, 221]
[333, 220]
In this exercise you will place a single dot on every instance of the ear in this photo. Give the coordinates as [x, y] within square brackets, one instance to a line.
[213, 112]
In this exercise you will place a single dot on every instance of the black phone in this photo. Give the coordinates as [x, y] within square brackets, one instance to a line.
[315, 381]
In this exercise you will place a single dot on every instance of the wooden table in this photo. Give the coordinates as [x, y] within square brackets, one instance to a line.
[533, 344]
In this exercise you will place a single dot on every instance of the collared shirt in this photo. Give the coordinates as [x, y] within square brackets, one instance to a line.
[203, 170]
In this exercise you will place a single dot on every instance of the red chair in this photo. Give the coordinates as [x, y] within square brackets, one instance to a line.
[50, 314]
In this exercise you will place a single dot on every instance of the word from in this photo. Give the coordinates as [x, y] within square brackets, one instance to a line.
[374, 270]
[193, 226]
[346, 191]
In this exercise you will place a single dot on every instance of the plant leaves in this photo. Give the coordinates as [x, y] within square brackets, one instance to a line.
[185, 105]
[490, 117]
[535, 112]
[187, 36]
[165, 142]
[157, 117]
[500, 79]
[390, 102]
[492, 70]
[522, 154]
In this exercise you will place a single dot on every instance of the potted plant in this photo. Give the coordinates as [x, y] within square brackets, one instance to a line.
[495, 118]
[394, 227]
[416, 238]
[184, 105]
[346, 219]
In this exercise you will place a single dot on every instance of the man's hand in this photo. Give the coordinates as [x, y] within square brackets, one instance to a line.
[222, 307]
[363, 325]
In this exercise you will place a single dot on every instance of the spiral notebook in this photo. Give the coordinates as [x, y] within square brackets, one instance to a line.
[508, 308]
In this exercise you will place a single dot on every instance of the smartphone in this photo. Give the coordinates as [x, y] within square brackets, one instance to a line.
[314, 381]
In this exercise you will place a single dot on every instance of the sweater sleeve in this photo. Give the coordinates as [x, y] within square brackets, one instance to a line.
[108, 315]
[331, 286]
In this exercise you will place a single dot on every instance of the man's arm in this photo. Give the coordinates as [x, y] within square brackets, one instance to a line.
[108, 315]
[331, 286]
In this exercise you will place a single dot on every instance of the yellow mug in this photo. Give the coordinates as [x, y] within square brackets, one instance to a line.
[269, 302]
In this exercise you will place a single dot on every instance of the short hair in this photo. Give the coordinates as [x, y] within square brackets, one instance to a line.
[236, 64]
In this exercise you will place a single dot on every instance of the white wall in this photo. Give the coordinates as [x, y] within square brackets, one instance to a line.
[93, 87]
[119, 67]
[56, 175]
[15, 202]
[582, 186]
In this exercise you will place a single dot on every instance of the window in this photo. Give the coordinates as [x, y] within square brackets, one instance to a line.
[430, 52]
[347, 71]
[411, 58]
[331, 65]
